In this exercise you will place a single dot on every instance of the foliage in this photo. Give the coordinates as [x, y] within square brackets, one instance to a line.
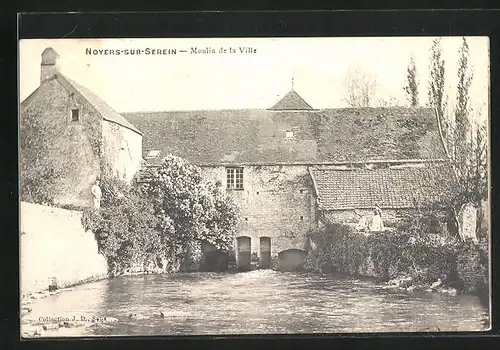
[338, 250]
[361, 87]
[190, 210]
[462, 108]
[411, 87]
[125, 230]
[436, 86]
[388, 102]
[113, 189]
[465, 140]
[423, 256]
[473, 267]
[164, 220]
[38, 172]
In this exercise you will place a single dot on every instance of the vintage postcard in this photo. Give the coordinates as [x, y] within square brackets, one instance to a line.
[254, 186]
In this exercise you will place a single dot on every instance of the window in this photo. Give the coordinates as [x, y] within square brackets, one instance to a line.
[153, 154]
[75, 115]
[235, 178]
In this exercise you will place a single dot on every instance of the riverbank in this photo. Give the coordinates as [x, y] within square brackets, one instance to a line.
[403, 260]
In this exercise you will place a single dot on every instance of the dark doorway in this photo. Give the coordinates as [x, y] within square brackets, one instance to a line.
[291, 260]
[265, 252]
[243, 250]
[214, 260]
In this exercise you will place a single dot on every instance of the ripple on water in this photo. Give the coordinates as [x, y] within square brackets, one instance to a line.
[261, 301]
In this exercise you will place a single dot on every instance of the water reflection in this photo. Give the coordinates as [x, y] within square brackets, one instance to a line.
[261, 302]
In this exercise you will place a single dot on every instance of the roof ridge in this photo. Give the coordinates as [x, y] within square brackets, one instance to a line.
[415, 109]
[105, 110]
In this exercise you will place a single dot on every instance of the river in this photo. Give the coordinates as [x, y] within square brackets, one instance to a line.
[262, 301]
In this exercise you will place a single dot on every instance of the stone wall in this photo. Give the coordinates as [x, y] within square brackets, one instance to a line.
[53, 243]
[122, 149]
[276, 201]
[74, 146]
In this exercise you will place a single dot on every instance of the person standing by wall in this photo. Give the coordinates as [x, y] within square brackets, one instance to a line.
[97, 194]
[362, 224]
[377, 224]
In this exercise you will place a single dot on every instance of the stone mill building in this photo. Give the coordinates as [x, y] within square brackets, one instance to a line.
[291, 167]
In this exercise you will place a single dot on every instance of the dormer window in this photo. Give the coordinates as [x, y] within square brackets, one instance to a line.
[288, 134]
[75, 115]
[153, 154]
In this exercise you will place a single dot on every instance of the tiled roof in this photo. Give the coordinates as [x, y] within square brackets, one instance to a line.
[256, 135]
[388, 188]
[291, 101]
[102, 107]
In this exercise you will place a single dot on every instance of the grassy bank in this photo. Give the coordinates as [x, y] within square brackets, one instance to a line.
[418, 260]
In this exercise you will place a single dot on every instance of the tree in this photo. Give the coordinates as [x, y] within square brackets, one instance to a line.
[361, 87]
[391, 101]
[465, 140]
[411, 87]
[436, 86]
[38, 172]
[164, 220]
[190, 211]
[468, 137]
[462, 106]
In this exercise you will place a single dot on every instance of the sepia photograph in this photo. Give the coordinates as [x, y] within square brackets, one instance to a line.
[235, 186]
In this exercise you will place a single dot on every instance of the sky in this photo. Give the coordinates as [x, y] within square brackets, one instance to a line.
[188, 81]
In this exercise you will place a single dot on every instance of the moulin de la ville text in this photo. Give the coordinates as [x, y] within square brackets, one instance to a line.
[149, 51]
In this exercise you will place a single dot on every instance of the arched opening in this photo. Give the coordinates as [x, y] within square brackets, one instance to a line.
[291, 260]
[265, 253]
[214, 260]
[243, 250]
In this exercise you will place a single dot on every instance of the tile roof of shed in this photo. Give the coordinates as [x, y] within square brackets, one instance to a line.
[401, 187]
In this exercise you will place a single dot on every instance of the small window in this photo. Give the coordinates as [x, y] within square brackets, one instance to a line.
[288, 134]
[153, 154]
[75, 115]
[234, 178]
[301, 218]
[301, 191]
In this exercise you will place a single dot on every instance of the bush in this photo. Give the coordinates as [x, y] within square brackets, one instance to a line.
[473, 267]
[125, 232]
[162, 222]
[425, 258]
[190, 211]
[339, 249]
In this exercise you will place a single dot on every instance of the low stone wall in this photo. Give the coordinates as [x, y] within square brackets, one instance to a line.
[53, 244]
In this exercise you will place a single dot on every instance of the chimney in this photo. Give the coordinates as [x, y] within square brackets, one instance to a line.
[49, 66]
